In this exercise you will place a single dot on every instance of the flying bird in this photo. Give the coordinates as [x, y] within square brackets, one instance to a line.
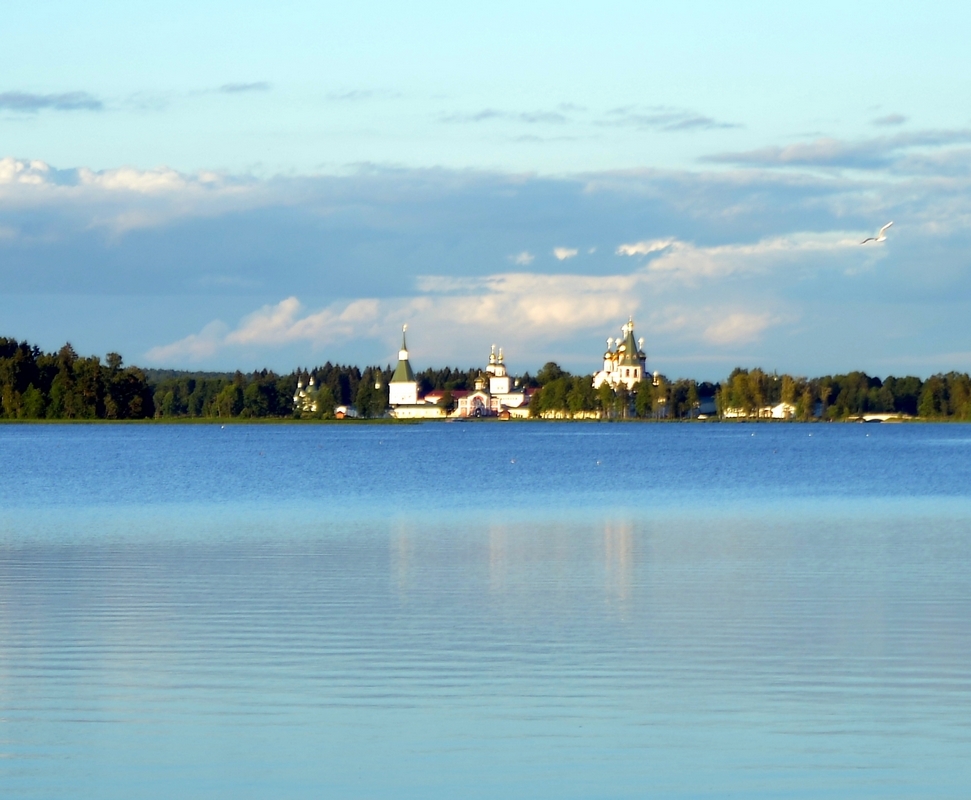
[880, 237]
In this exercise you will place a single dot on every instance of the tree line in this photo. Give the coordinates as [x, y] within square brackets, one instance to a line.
[752, 393]
[561, 394]
[64, 385]
[942, 396]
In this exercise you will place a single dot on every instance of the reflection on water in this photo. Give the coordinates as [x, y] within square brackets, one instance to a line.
[618, 545]
[568, 646]
[497, 558]
[401, 554]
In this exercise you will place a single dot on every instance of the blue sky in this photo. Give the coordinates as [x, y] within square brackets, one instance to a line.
[213, 185]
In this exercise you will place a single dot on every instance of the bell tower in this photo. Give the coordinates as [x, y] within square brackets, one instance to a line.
[403, 388]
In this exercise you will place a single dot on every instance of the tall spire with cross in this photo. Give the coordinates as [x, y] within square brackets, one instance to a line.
[403, 387]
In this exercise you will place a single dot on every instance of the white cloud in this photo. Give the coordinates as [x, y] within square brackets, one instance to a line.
[686, 262]
[341, 235]
[276, 325]
[17, 171]
[14, 171]
[270, 325]
[563, 253]
[738, 328]
[282, 323]
[719, 324]
[194, 347]
[125, 198]
[453, 313]
[682, 293]
[877, 153]
[644, 248]
[535, 305]
[531, 312]
[126, 179]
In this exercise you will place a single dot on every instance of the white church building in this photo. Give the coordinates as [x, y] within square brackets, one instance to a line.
[496, 394]
[625, 362]
[403, 390]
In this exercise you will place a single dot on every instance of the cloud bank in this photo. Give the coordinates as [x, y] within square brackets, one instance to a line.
[739, 264]
[239, 88]
[540, 309]
[663, 118]
[876, 153]
[26, 102]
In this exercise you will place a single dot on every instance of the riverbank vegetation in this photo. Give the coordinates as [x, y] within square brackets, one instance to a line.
[833, 397]
[756, 394]
[64, 385]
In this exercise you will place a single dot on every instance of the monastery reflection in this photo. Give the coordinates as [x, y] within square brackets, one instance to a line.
[618, 538]
[497, 558]
[402, 551]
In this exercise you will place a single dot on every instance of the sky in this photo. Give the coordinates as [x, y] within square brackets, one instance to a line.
[216, 185]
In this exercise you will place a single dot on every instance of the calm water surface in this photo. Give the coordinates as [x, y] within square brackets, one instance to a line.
[485, 610]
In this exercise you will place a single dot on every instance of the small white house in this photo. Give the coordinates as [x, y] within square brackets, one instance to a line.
[782, 411]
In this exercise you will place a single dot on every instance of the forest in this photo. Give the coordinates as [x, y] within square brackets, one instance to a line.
[64, 385]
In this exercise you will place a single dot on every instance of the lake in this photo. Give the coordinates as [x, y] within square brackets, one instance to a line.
[483, 610]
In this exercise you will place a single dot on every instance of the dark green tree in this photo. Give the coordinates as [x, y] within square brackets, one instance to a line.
[550, 372]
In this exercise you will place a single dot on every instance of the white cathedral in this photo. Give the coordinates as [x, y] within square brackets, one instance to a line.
[624, 364]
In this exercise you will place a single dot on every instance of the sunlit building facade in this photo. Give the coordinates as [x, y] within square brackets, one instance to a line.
[625, 362]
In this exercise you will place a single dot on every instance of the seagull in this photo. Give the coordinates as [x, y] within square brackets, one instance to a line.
[880, 237]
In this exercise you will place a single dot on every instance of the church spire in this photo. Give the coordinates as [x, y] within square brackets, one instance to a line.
[403, 372]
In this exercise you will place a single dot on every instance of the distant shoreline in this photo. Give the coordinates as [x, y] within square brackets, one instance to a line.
[237, 421]
[63, 386]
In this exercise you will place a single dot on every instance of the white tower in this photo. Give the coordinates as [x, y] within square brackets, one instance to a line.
[403, 388]
[499, 382]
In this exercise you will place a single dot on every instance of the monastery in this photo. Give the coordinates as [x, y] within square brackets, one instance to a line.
[496, 394]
